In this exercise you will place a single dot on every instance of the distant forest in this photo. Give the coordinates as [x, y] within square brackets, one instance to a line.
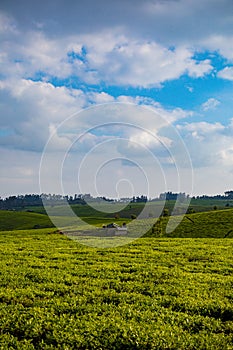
[30, 200]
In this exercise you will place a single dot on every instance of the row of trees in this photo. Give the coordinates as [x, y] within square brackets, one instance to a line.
[173, 196]
[227, 195]
[183, 196]
[142, 199]
[30, 200]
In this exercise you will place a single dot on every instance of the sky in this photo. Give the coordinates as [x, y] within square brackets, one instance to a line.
[116, 98]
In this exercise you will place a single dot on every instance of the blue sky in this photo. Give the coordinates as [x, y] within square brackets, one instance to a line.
[173, 57]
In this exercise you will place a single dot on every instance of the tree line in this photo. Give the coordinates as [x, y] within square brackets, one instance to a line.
[30, 200]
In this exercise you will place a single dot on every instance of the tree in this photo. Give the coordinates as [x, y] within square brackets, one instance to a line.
[229, 194]
[190, 211]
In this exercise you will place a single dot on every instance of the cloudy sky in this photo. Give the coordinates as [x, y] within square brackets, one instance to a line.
[114, 88]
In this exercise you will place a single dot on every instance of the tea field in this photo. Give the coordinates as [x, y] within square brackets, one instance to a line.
[155, 293]
[215, 223]
[212, 224]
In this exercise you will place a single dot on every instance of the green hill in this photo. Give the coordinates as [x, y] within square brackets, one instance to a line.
[23, 220]
[19, 220]
[216, 224]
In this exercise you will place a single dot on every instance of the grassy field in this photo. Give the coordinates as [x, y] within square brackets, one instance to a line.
[156, 293]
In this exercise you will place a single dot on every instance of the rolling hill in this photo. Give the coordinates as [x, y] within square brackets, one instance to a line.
[213, 224]
[19, 220]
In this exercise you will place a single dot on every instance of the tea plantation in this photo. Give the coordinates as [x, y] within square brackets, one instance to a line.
[155, 293]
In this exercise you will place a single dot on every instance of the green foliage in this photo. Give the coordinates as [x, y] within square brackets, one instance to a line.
[190, 210]
[152, 294]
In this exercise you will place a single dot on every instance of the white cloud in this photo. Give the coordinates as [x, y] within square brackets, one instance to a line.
[111, 57]
[203, 128]
[7, 24]
[189, 88]
[125, 61]
[150, 139]
[19, 172]
[100, 97]
[40, 107]
[226, 73]
[143, 45]
[227, 156]
[170, 22]
[223, 43]
[29, 108]
[26, 54]
[209, 144]
[169, 116]
[210, 104]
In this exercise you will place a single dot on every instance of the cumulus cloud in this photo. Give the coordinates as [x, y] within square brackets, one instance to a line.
[32, 54]
[7, 24]
[221, 43]
[99, 44]
[32, 110]
[209, 144]
[101, 97]
[113, 58]
[203, 127]
[19, 171]
[172, 22]
[29, 108]
[226, 73]
[168, 23]
[124, 61]
[210, 104]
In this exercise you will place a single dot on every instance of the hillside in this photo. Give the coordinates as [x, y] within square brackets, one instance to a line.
[213, 224]
[19, 220]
